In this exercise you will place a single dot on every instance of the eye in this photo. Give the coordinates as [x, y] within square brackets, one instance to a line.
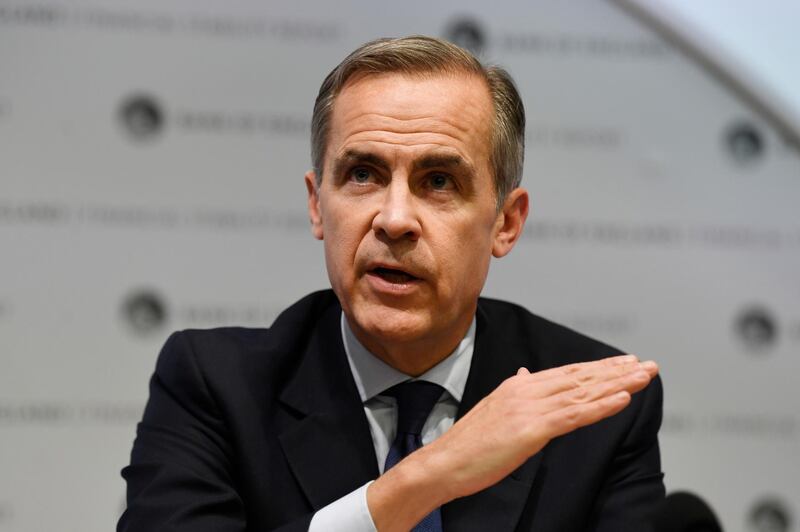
[441, 182]
[361, 174]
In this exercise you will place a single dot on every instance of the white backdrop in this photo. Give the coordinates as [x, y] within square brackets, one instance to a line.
[151, 162]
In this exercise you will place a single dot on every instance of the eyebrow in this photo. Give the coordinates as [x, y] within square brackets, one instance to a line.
[352, 156]
[446, 161]
[443, 161]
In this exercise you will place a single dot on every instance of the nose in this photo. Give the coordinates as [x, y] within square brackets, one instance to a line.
[398, 217]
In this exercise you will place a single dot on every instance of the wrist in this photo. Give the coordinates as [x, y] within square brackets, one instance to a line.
[404, 495]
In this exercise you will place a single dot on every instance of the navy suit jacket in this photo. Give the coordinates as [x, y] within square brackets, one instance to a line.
[256, 429]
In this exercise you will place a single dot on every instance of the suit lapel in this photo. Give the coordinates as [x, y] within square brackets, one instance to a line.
[499, 507]
[328, 445]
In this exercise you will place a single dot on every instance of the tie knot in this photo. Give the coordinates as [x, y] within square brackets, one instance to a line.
[415, 400]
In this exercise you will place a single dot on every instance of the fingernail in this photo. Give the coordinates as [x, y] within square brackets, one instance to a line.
[648, 365]
[641, 376]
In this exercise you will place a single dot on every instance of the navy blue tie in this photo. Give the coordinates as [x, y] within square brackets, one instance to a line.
[415, 401]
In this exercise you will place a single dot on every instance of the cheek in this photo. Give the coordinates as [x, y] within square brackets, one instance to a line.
[343, 235]
[339, 250]
[339, 263]
[467, 255]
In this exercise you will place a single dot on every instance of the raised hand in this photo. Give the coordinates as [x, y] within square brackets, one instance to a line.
[503, 430]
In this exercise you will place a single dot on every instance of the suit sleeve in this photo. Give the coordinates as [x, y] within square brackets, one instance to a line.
[634, 484]
[181, 475]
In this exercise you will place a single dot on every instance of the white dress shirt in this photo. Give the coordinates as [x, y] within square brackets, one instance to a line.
[372, 377]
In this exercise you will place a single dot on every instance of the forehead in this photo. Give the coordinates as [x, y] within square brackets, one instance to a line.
[448, 112]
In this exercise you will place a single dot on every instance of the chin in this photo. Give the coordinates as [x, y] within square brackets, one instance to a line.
[388, 323]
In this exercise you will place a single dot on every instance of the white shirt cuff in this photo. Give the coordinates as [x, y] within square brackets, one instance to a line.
[348, 514]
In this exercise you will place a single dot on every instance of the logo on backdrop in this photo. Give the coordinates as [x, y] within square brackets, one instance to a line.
[769, 515]
[757, 328]
[141, 117]
[744, 142]
[467, 33]
[144, 312]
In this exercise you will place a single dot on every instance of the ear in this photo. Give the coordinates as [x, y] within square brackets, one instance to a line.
[314, 211]
[510, 221]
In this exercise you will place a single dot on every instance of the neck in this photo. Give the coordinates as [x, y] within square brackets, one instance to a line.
[414, 356]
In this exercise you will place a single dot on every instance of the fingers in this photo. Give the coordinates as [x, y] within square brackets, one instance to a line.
[629, 383]
[570, 369]
[565, 420]
[590, 394]
[581, 379]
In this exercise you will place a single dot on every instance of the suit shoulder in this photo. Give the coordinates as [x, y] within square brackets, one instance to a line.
[292, 322]
[220, 350]
[556, 344]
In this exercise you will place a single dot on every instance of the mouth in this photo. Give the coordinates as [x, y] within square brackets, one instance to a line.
[393, 275]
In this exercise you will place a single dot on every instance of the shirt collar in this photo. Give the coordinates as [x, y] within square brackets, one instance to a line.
[373, 376]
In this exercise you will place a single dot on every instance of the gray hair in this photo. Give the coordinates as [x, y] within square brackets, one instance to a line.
[426, 55]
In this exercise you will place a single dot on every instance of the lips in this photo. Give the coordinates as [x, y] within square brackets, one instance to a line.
[393, 275]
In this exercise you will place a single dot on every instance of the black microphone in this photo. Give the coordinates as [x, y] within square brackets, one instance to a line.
[684, 512]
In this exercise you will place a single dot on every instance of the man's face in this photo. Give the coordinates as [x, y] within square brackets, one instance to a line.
[407, 205]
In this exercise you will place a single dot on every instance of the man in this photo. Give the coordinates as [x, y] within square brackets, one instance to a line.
[417, 152]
